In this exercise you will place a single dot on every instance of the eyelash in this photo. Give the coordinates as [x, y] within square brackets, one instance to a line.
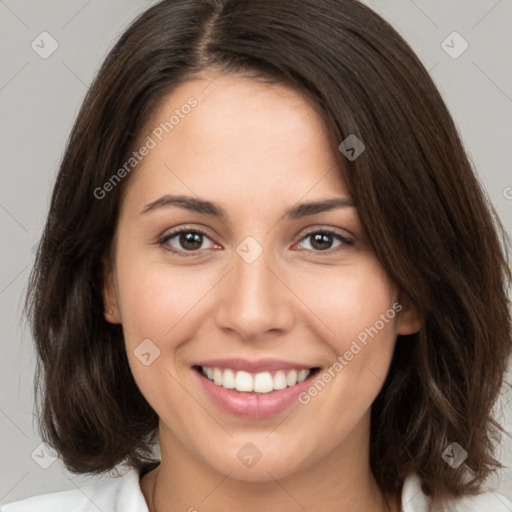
[162, 242]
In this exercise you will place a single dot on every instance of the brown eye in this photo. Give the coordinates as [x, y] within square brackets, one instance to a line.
[322, 241]
[184, 240]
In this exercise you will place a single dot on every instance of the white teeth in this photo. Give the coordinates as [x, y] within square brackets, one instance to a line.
[243, 381]
[262, 382]
[229, 379]
[217, 376]
[302, 375]
[291, 379]
[280, 380]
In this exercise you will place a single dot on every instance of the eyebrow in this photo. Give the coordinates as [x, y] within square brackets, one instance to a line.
[206, 207]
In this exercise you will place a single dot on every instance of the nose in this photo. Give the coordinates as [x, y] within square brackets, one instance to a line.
[254, 299]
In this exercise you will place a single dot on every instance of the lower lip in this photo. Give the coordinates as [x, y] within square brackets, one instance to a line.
[253, 405]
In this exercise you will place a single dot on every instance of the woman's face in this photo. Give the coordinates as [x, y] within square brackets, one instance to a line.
[258, 298]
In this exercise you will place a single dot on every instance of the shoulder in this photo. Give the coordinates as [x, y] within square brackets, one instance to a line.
[114, 494]
[414, 500]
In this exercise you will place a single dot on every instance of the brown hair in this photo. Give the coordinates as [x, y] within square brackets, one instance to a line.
[430, 223]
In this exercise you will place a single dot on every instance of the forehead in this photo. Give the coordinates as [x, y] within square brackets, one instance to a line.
[241, 136]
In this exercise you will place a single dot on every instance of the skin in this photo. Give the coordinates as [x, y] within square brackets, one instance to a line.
[255, 149]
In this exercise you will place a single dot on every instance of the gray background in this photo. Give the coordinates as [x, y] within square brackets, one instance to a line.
[40, 98]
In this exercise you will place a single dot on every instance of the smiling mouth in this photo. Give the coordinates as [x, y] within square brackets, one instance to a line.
[261, 383]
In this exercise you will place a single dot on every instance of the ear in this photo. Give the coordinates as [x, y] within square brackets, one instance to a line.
[110, 302]
[410, 319]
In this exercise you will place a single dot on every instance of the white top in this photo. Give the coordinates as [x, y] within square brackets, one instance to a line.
[123, 494]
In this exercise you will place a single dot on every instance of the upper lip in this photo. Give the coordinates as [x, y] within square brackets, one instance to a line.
[254, 366]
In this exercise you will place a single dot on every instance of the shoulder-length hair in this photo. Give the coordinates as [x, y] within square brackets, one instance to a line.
[431, 225]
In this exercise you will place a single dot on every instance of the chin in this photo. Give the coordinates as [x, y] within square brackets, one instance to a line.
[260, 461]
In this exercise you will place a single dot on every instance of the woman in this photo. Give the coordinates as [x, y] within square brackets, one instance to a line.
[268, 256]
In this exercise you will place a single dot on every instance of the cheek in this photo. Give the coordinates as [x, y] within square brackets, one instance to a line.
[358, 309]
[349, 299]
[155, 302]
[155, 298]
